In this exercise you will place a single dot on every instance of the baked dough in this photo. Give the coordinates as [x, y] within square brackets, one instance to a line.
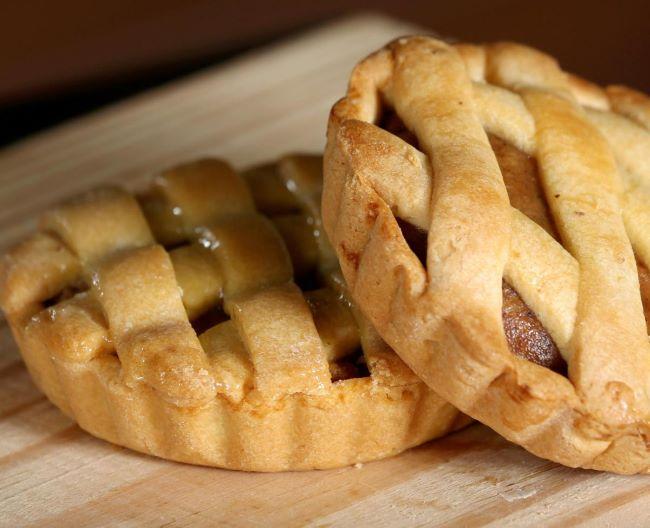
[444, 316]
[174, 324]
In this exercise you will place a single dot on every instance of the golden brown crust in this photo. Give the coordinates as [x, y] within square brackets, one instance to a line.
[526, 336]
[209, 352]
[444, 318]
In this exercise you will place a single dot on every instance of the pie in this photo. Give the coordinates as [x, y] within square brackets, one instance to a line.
[491, 214]
[205, 321]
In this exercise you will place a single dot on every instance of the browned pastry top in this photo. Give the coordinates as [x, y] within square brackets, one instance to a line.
[526, 336]
[205, 320]
[490, 213]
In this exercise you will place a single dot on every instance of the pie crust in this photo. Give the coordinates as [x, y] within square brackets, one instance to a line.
[443, 316]
[171, 323]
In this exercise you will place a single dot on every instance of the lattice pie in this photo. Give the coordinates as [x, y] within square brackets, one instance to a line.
[491, 214]
[187, 324]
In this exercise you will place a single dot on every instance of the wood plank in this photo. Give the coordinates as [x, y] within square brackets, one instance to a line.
[253, 109]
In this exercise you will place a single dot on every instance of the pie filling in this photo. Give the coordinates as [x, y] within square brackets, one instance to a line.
[349, 363]
[526, 336]
[201, 283]
[67, 293]
[207, 320]
[644, 283]
[391, 122]
[352, 366]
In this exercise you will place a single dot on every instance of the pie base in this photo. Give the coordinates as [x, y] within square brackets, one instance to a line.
[358, 422]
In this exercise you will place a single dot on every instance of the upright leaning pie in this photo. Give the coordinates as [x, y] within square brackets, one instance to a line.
[174, 324]
[491, 215]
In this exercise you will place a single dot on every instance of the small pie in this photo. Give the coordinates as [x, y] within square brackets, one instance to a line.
[491, 214]
[205, 321]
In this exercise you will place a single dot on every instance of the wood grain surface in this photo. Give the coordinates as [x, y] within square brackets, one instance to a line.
[265, 104]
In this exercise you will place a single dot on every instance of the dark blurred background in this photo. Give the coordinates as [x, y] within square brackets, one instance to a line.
[60, 59]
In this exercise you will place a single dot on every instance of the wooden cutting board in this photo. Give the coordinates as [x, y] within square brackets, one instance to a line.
[253, 109]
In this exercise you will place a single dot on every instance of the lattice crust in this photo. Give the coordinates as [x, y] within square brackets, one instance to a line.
[445, 176]
[107, 299]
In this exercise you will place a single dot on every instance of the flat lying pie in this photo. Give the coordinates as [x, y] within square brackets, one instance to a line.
[186, 324]
[491, 214]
